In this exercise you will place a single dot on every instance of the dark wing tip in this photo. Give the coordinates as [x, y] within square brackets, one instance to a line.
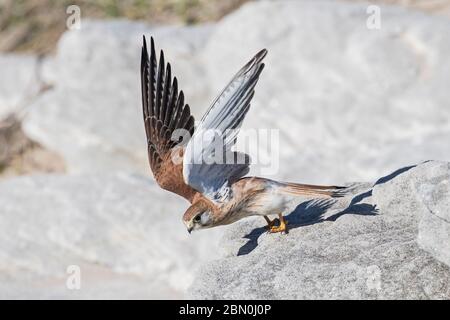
[144, 54]
[261, 54]
[161, 58]
[260, 69]
[152, 44]
[144, 46]
[256, 61]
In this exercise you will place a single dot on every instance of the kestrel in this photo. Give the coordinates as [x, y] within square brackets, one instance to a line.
[219, 192]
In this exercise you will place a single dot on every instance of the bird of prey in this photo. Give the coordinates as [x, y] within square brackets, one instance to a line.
[219, 192]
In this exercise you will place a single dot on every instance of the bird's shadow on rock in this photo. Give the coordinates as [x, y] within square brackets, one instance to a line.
[313, 211]
[395, 174]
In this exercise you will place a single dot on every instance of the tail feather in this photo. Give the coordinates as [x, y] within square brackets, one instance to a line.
[312, 190]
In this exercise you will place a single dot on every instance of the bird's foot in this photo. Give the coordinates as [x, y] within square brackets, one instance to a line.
[281, 228]
[270, 223]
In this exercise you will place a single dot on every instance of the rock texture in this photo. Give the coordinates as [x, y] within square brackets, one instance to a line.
[353, 101]
[119, 229]
[93, 115]
[19, 82]
[388, 241]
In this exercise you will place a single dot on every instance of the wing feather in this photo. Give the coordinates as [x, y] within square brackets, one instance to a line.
[218, 131]
[164, 112]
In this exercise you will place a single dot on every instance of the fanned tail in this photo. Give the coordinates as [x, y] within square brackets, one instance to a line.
[314, 191]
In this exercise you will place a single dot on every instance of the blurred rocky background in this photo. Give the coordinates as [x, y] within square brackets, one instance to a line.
[350, 103]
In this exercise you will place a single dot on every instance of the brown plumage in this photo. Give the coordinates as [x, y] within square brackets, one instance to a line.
[312, 190]
[164, 112]
[219, 192]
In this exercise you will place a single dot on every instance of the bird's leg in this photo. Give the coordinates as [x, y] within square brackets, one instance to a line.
[270, 223]
[282, 227]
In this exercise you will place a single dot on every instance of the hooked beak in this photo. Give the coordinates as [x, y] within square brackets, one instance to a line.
[190, 229]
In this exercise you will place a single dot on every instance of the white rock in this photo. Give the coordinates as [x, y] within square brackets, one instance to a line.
[434, 226]
[19, 82]
[121, 231]
[93, 116]
[388, 241]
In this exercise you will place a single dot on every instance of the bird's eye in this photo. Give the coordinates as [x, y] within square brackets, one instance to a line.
[197, 218]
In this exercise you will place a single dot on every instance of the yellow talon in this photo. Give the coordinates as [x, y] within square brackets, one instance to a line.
[281, 228]
[270, 223]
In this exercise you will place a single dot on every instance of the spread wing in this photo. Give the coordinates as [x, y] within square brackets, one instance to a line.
[209, 164]
[165, 114]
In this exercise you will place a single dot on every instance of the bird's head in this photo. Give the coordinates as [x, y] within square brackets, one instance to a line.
[198, 216]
